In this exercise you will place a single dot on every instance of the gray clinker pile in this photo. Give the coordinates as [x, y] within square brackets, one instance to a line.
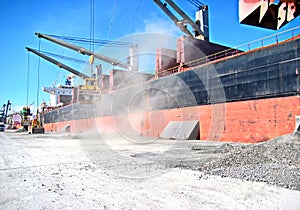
[275, 162]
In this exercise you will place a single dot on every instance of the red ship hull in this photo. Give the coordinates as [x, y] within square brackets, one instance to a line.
[245, 121]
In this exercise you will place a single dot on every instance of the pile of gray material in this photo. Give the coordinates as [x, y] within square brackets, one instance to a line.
[275, 162]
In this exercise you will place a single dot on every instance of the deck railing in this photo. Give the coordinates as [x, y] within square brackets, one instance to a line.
[250, 46]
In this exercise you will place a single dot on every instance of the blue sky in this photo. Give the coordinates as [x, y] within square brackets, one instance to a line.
[114, 19]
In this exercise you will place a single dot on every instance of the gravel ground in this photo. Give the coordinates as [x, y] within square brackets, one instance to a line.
[275, 162]
[58, 171]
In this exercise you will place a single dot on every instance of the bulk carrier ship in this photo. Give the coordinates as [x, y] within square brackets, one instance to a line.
[225, 94]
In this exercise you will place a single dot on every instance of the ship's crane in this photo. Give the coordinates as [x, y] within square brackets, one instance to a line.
[56, 80]
[200, 26]
[57, 63]
[4, 111]
[90, 83]
[133, 63]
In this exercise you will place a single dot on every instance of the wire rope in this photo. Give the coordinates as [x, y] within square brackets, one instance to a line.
[63, 57]
[38, 80]
[28, 68]
[196, 3]
[136, 11]
[92, 30]
[98, 42]
[92, 35]
[112, 18]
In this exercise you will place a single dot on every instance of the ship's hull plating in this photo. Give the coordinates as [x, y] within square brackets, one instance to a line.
[246, 98]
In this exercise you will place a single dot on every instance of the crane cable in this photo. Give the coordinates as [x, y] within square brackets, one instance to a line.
[63, 57]
[92, 35]
[196, 3]
[92, 23]
[136, 11]
[112, 18]
[28, 67]
[97, 42]
[38, 81]
[76, 60]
